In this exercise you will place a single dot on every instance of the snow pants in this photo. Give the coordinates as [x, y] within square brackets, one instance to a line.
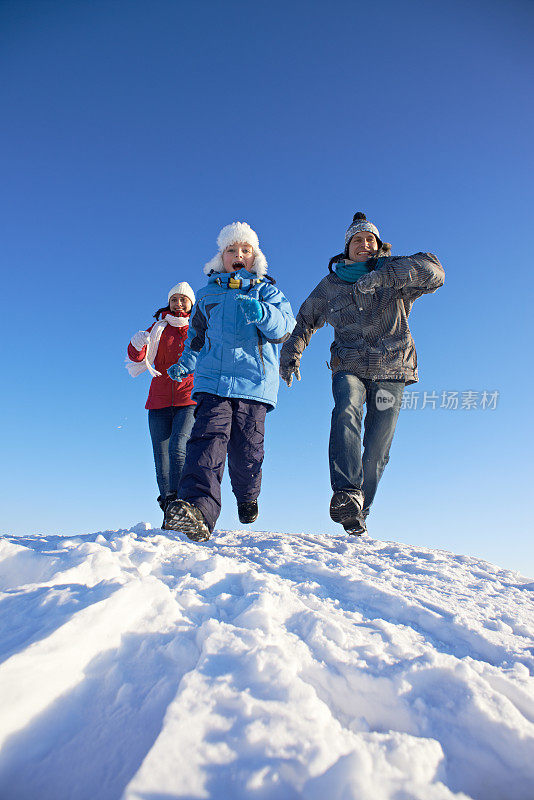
[348, 468]
[223, 425]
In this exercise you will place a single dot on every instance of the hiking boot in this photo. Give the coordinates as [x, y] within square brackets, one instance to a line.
[163, 502]
[248, 511]
[186, 518]
[356, 528]
[346, 508]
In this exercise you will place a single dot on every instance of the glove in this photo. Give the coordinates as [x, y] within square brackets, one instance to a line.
[288, 370]
[177, 372]
[251, 308]
[140, 339]
[368, 283]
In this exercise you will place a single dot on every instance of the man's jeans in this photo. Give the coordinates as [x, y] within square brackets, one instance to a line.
[170, 428]
[348, 469]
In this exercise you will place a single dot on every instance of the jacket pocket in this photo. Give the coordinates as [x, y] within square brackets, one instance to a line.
[209, 362]
[397, 347]
[248, 368]
[261, 359]
[340, 310]
[343, 355]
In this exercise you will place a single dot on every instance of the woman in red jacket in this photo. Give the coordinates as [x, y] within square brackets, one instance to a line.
[169, 404]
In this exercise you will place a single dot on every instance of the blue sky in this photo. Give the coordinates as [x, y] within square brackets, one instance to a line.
[133, 131]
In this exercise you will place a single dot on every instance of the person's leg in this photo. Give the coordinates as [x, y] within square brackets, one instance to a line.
[182, 426]
[344, 452]
[383, 405]
[346, 473]
[200, 484]
[160, 427]
[246, 448]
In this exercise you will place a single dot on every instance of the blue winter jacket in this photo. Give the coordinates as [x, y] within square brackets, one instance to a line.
[229, 357]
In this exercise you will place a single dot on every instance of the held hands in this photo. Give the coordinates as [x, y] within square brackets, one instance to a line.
[368, 283]
[251, 308]
[140, 339]
[177, 372]
[288, 370]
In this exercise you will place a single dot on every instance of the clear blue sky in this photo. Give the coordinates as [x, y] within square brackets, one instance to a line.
[133, 131]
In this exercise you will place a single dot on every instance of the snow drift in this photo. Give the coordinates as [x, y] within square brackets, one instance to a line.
[261, 665]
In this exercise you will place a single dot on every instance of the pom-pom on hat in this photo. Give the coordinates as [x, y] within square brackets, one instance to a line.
[360, 223]
[182, 288]
[238, 232]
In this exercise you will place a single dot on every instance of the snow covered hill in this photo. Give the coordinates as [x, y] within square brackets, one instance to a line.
[261, 665]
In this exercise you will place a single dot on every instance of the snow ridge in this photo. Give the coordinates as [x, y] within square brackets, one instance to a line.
[261, 665]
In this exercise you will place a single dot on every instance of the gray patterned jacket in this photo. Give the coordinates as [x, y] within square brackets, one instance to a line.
[372, 337]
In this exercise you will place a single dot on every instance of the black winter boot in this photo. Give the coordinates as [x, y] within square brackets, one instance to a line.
[248, 511]
[346, 508]
[163, 503]
[187, 518]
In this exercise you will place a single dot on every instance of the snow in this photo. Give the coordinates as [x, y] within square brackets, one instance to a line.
[261, 665]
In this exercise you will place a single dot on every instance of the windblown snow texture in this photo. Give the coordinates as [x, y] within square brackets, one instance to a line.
[263, 666]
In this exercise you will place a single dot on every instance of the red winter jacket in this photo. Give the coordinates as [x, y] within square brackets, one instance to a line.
[165, 392]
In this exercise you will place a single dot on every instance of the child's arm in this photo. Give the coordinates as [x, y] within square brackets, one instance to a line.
[277, 320]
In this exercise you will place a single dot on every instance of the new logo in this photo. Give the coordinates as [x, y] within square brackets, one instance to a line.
[384, 399]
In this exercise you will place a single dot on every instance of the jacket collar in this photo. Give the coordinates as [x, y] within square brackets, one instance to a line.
[228, 278]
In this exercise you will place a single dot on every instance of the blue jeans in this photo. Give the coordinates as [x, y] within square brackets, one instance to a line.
[348, 468]
[170, 429]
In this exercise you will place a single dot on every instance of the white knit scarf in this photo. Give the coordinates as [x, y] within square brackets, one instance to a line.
[135, 368]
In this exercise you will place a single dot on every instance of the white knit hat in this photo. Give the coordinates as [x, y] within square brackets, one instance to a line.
[182, 288]
[238, 232]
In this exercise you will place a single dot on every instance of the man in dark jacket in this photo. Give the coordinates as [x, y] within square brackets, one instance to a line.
[367, 297]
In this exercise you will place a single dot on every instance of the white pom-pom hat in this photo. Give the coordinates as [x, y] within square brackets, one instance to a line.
[238, 232]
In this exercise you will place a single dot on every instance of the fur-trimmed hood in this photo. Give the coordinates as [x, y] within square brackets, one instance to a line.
[238, 232]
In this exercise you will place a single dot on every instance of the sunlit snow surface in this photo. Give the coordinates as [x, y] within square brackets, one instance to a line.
[261, 665]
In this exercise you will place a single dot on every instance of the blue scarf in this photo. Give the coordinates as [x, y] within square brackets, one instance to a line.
[351, 272]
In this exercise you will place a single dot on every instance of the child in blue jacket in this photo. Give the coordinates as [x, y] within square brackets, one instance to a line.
[239, 322]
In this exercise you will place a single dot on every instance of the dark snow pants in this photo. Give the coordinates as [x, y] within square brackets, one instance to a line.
[223, 425]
